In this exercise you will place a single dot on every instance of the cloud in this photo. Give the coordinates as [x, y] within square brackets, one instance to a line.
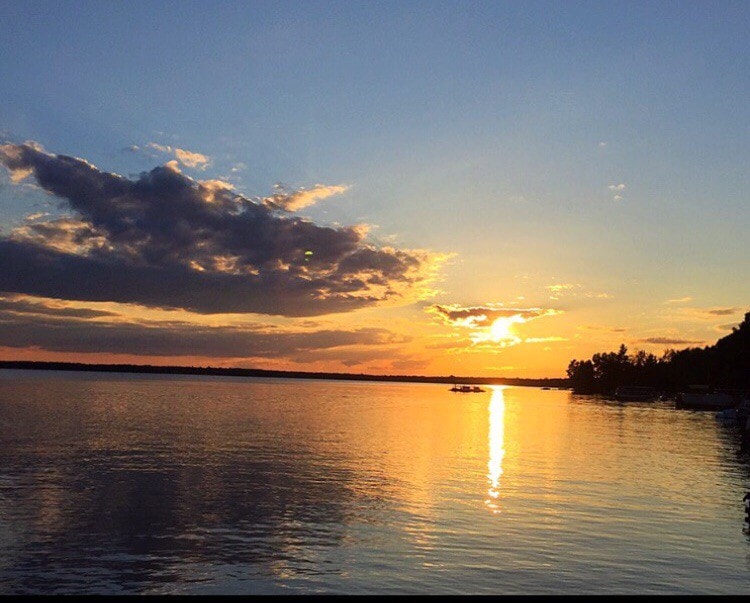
[365, 357]
[602, 144]
[187, 158]
[18, 175]
[562, 288]
[544, 339]
[574, 289]
[175, 338]
[482, 316]
[604, 328]
[166, 240]
[191, 159]
[491, 325]
[617, 189]
[16, 305]
[722, 311]
[36, 216]
[669, 341]
[679, 300]
[303, 197]
[709, 313]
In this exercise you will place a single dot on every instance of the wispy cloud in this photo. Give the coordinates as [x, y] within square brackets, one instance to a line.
[709, 313]
[604, 328]
[722, 311]
[617, 190]
[562, 287]
[299, 199]
[559, 289]
[679, 300]
[187, 158]
[191, 159]
[481, 316]
[36, 216]
[670, 341]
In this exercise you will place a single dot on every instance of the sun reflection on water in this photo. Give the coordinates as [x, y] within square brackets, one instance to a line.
[496, 447]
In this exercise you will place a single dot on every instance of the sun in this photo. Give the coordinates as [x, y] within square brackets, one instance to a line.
[500, 329]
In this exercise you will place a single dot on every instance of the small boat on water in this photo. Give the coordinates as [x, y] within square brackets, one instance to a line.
[467, 389]
[635, 393]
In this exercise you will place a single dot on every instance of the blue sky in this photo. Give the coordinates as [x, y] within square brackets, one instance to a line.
[491, 130]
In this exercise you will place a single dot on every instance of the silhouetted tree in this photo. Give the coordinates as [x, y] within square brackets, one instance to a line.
[725, 364]
[581, 374]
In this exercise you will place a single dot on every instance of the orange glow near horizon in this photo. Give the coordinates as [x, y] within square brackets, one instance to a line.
[514, 345]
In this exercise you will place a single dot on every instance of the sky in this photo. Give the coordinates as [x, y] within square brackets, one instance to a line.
[468, 188]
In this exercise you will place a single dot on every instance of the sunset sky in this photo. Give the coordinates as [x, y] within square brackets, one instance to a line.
[469, 188]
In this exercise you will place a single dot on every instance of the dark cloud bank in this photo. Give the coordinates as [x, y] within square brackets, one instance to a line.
[180, 339]
[166, 240]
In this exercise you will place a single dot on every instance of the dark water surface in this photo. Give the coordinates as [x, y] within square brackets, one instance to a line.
[179, 484]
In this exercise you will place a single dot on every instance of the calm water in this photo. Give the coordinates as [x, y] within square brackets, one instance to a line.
[160, 484]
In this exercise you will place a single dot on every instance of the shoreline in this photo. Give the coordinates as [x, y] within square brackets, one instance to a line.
[242, 372]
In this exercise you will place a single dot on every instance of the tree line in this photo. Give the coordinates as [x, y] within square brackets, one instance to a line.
[726, 364]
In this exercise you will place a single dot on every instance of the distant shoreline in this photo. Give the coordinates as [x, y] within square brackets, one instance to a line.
[242, 372]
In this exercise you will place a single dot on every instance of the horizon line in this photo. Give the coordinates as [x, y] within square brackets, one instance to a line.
[270, 373]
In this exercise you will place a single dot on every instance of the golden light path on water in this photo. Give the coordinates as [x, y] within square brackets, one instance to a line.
[496, 447]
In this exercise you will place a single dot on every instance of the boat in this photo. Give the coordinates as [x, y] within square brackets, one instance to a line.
[467, 389]
[635, 393]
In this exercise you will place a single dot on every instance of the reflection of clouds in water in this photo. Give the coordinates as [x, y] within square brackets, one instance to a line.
[169, 504]
[496, 448]
[132, 524]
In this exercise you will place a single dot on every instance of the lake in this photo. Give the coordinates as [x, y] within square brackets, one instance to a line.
[114, 483]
